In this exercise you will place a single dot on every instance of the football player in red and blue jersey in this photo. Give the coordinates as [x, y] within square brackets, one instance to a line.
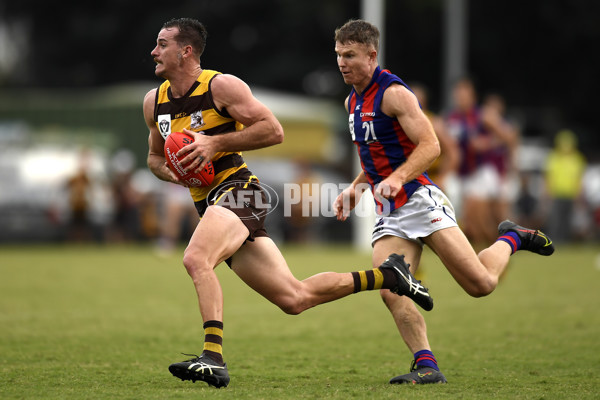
[396, 144]
[224, 117]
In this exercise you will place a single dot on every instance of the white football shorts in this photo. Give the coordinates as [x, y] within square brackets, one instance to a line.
[428, 210]
[484, 183]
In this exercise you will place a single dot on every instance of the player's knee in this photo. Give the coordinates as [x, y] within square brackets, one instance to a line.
[291, 306]
[387, 297]
[189, 261]
[482, 287]
[193, 262]
[291, 309]
[293, 302]
[401, 307]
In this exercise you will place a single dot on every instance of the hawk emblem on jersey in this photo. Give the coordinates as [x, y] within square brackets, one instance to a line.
[196, 120]
[164, 125]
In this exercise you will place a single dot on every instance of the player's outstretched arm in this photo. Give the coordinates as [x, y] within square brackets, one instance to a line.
[261, 128]
[349, 198]
[401, 103]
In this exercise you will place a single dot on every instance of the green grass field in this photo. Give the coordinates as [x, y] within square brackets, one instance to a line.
[105, 323]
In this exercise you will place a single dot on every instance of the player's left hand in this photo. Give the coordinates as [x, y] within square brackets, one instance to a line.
[198, 153]
[171, 177]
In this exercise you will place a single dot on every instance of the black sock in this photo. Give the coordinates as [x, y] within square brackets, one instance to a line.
[213, 340]
[373, 279]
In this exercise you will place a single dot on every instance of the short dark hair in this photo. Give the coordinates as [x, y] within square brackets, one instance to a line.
[358, 31]
[191, 32]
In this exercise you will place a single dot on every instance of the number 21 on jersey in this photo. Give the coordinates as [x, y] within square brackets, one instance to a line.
[368, 127]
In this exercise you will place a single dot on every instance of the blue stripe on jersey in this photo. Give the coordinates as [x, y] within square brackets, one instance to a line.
[381, 143]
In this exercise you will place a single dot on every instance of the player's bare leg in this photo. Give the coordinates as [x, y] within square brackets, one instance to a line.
[477, 275]
[218, 235]
[408, 319]
[261, 266]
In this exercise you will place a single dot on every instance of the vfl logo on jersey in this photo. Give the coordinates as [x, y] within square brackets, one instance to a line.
[164, 125]
[196, 120]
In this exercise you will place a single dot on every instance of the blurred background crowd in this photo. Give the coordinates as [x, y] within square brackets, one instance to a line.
[517, 125]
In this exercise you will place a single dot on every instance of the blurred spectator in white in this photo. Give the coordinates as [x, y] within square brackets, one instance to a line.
[505, 142]
[479, 179]
[487, 142]
[564, 172]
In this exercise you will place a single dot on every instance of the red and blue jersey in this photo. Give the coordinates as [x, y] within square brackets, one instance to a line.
[380, 140]
[466, 127]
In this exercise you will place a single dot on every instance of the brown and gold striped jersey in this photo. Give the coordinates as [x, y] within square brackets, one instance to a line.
[196, 111]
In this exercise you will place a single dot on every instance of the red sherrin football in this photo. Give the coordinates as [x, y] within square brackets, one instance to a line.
[173, 143]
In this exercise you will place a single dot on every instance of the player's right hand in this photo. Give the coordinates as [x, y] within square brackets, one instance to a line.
[197, 154]
[345, 202]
